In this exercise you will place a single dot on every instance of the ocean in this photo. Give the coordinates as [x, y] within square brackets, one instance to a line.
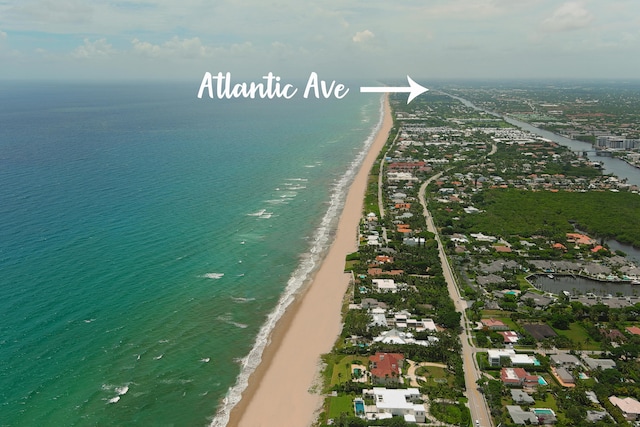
[149, 240]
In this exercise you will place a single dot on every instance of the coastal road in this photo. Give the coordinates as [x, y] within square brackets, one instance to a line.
[477, 403]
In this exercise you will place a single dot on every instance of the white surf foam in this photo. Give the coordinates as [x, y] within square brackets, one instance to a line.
[242, 300]
[122, 390]
[226, 318]
[214, 276]
[320, 242]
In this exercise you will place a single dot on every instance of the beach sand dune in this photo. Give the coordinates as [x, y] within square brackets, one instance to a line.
[281, 390]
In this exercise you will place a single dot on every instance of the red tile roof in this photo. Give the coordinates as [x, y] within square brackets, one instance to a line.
[633, 330]
[385, 365]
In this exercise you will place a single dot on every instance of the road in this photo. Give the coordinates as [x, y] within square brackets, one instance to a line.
[477, 403]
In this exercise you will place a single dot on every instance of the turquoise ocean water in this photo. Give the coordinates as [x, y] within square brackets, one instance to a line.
[149, 240]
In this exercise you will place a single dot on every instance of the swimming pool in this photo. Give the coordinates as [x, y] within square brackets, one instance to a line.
[358, 406]
[542, 381]
[543, 411]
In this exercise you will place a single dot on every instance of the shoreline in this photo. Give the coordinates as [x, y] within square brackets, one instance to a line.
[290, 366]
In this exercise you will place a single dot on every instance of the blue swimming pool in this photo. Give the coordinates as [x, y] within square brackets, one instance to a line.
[542, 381]
[359, 406]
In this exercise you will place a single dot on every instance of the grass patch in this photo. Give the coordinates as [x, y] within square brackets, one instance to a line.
[548, 402]
[341, 370]
[435, 375]
[579, 336]
[337, 405]
[450, 413]
[349, 265]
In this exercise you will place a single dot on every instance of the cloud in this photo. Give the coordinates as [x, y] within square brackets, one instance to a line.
[3, 35]
[97, 49]
[44, 12]
[363, 36]
[176, 47]
[570, 16]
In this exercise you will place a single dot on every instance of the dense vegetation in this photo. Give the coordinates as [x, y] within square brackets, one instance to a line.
[526, 213]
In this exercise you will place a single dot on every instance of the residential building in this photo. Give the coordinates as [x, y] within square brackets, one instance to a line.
[629, 406]
[495, 356]
[385, 285]
[398, 402]
[565, 376]
[509, 337]
[538, 300]
[634, 330]
[494, 325]
[518, 377]
[603, 364]
[521, 417]
[565, 359]
[520, 396]
[595, 416]
[385, 368]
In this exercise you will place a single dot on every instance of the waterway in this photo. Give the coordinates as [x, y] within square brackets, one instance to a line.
[610, 165]
[582, 285]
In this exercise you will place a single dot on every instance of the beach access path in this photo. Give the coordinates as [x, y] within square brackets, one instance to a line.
[284, 391]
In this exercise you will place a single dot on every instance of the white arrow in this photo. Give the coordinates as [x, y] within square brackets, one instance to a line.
[414, 89]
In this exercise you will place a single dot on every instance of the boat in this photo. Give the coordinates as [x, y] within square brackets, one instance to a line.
[635, 282]
[550, 276]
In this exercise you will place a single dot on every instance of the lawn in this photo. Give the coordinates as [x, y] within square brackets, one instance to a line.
[349, 265]
[578, 335]
[548, 402]
[342, 369]
[339, 404]
[435, 374]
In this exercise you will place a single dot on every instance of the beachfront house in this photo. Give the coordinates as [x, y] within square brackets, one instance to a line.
[385, 285]
[385, 368]
[396, 402]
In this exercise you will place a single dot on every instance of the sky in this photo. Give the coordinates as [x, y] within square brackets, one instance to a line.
[338, 39]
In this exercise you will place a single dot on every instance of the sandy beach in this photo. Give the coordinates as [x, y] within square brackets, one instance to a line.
[278, 393]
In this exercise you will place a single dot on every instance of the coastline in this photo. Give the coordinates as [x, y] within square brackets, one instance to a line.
[290, 364]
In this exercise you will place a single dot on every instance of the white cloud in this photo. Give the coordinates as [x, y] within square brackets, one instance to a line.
[97, 49]
[570, 16]
[45, 12]
[363, 36]
[176, 47]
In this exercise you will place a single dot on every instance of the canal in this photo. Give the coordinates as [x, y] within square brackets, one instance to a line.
[582, 286]
[610, 165]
